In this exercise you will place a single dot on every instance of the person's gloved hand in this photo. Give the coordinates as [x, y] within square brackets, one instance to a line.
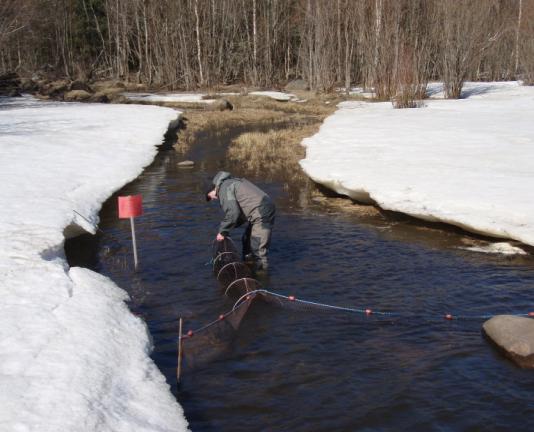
[220, 237]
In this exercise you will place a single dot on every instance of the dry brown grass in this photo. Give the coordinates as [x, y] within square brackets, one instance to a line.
[260, 112]
[309, 103]
[274, 153]
[286, 124]
[196, 106]
[345, 205]
[220, 122]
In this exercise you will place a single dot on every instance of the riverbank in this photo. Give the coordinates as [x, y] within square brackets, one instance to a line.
[391, 369]
[280, 121]
[72, 356]
[466, 162]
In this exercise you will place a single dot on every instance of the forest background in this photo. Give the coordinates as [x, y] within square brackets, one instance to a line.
[392, 46]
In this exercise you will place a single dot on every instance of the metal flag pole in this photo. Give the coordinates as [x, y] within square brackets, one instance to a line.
[132, 224]
[179, 367]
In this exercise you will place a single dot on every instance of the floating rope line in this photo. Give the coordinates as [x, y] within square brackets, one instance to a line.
[235, 277]
[248, 297]
[221, 317]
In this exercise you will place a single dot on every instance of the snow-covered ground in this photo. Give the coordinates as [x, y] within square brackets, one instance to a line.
[169, 97]
[467, 162]
[357, 91]
[72, 356]
[276, 95]
[200, 97]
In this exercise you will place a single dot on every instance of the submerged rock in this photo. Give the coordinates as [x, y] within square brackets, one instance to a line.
[186, 163]
[220, 105]
[514, 336]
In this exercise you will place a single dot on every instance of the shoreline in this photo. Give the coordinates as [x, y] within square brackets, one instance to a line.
[70, 342]
[428, 164]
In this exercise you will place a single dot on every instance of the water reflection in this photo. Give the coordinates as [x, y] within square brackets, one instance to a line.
[298, 371]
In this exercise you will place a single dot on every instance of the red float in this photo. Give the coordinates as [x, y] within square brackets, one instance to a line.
[531, 314]
[368, 311]
[291, 298]
[221, 317]
[448, 316]
[190, 333]
[130, 206]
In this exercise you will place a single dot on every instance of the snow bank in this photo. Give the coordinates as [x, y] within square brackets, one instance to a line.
[501, 248]
[72, 356]
[169, 97]
[467, 162]
[199, 97]
[357, 91]
[279, 96]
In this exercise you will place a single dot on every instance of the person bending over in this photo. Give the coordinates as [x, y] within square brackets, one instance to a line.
[243, 202]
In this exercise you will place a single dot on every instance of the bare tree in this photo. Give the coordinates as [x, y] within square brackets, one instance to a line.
[395, 46]
[467, 31]
[526, 43]
[518, 29]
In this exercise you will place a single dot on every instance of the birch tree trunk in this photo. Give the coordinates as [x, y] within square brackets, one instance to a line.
[255, 44]
[518, 29]
[199, 55]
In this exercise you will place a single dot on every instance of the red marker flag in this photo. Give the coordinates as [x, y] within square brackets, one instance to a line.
[130, 206]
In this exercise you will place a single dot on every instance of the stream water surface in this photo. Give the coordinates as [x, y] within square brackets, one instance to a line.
[308, 371]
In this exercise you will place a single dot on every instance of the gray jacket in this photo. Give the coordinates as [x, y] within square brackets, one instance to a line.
[241, 201]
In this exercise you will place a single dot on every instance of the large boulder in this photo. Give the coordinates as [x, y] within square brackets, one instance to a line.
[108, 84]
[28, 85]
[109, 94]
[13, 93]
[99, 97]
[77, 96]
[55, 89]
[298, 84]
[80, 85]
[514, 336]
[220, 105]
[9, 84]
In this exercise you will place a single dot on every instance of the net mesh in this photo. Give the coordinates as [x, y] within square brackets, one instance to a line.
[235, 280]
[212, 341]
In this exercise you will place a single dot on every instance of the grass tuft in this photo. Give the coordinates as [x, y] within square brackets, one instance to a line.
[274, 153]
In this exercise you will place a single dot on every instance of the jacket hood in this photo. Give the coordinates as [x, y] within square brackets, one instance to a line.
[219, 178]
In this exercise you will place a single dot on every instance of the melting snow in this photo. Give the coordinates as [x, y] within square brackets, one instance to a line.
[467, 162]
[72, 356]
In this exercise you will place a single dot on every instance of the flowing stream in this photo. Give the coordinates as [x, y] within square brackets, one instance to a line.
[288, 370]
